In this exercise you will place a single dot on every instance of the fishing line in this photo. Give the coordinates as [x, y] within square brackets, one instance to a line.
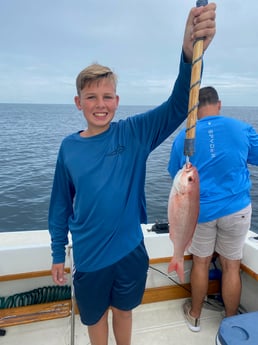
[170, 278]
[213, 301]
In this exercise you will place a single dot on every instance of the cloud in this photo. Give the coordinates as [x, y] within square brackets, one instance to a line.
[44, 45]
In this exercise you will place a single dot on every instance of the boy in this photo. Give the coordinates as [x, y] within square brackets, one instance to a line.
[98, 191]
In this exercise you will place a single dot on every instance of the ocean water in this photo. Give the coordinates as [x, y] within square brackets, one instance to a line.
[29, 141]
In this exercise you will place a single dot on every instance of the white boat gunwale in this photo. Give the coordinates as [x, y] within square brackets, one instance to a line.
[25, 245]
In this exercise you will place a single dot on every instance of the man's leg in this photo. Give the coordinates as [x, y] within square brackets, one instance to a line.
[232, 230]
[231, 285]
[199, 283]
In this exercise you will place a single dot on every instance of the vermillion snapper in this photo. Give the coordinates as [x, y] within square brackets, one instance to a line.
[183, 211]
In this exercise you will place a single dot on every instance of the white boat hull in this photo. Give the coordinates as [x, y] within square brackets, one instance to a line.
[25, 262]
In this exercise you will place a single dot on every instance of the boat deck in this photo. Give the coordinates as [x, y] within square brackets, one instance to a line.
[153, 324]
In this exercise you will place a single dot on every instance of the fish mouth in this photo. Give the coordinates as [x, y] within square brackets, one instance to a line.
[188, 166]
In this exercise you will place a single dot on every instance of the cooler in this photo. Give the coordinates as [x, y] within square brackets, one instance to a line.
[239, 330]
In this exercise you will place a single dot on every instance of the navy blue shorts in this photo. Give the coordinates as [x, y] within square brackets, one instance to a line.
[120, 285]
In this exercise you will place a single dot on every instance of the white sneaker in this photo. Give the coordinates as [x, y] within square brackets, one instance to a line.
[192, 323]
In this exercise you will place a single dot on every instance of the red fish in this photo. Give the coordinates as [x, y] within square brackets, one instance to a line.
[183, 211]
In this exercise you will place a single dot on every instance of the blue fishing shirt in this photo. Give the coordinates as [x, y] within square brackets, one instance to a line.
[223, 149]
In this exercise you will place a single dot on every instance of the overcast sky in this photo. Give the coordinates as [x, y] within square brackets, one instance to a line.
[45, 44]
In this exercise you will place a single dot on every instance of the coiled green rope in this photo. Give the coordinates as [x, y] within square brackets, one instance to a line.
[37, 296]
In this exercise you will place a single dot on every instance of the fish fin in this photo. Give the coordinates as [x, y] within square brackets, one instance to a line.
[178, 266]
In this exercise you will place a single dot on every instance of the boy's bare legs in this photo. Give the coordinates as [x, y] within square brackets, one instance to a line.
[231, 285]
[98, 333]
[199, 283]
[122, 326]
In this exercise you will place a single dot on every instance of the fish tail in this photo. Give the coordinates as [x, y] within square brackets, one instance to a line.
[178, 266]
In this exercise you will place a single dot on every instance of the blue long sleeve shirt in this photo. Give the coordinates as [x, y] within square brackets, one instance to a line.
[98, 189]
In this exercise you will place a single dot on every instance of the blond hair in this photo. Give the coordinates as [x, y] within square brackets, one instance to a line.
[94, 73]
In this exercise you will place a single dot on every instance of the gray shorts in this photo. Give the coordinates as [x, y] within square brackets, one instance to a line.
[225, 235]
